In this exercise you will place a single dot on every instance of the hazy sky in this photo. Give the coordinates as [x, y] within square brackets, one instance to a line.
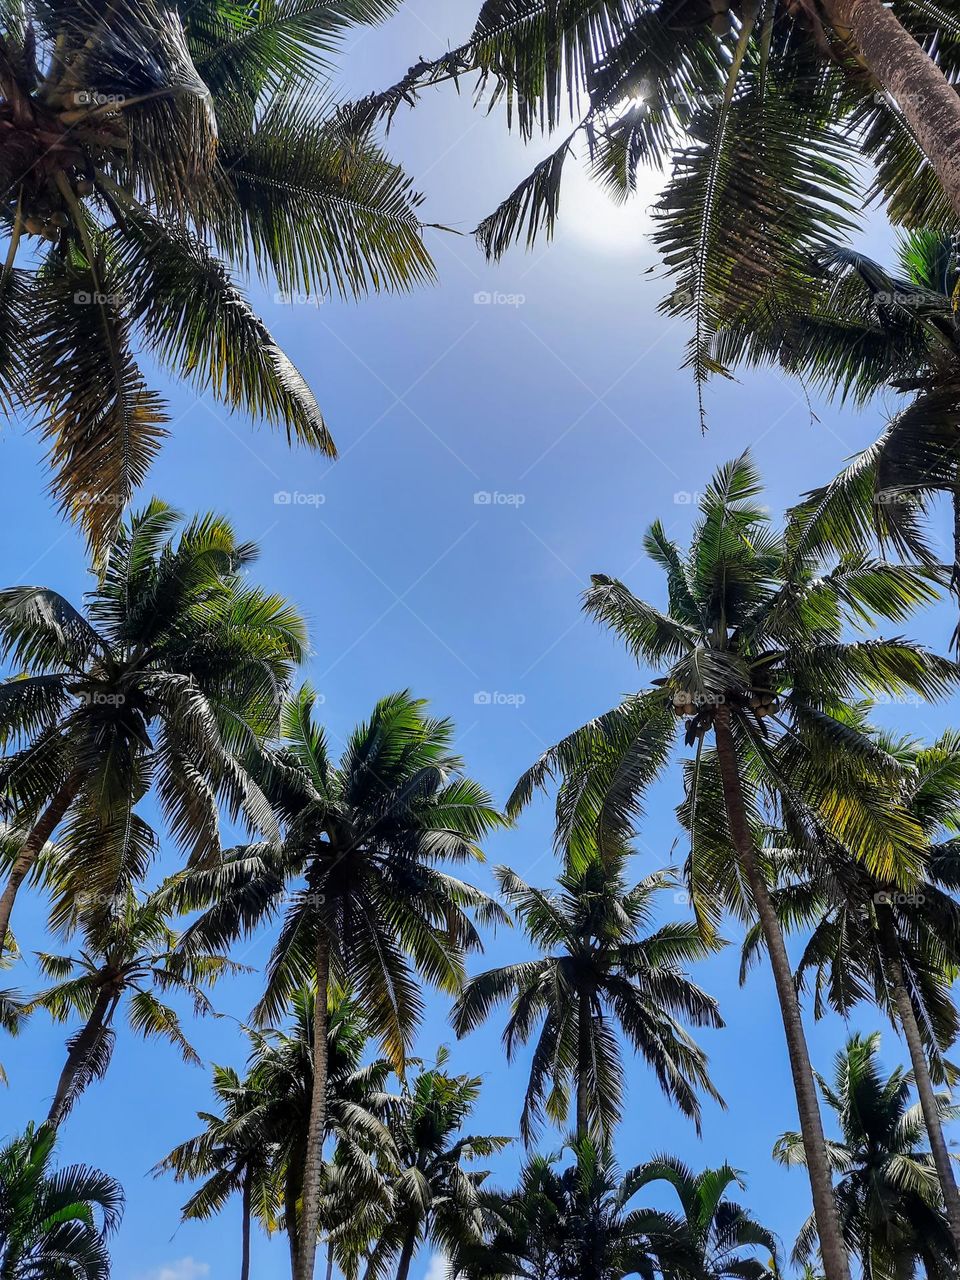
[563, 403]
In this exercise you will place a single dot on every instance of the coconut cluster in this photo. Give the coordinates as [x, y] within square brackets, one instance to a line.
[686, 703]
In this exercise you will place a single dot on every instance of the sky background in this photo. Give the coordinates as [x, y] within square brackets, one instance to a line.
[567, 406]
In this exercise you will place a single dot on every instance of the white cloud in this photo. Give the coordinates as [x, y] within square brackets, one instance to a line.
[439, 1267]
[184, 1269]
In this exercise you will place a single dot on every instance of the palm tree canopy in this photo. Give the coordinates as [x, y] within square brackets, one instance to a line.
[604, 968]
[167, 678]
[758, 623]
[151, 147]
[573, 1223]
[53, 1224]
[758, 114]
[862, 928]
[434, 1192]
[129, 956]
[722, 1237]
[357, 867]
[887, 1192]
[852, 328]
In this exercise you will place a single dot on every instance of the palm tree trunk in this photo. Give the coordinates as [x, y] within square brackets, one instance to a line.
[32, 847]
[329, 1260]
[406, 1255]
[930, 105]
[833, 1252]
[313, 1162]
[921, 1074]
[83, 1043]
[583, 1057]
[290, 1198]
[245, 1227]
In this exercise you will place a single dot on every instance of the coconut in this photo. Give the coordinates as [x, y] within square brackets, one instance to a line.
[58, 219]
[85, 187]
[720, 25]
[34, 225]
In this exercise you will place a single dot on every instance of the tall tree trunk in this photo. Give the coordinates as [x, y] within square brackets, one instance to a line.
[290, 1198]
[833, 1252]
[921, 1074]
[82, 1045]
[313, 1161]
[32, 847]
[406, 1255]
[245, 1226]
[583, 1057]
[929, 103]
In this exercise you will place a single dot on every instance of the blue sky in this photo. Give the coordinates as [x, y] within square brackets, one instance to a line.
[563, 400]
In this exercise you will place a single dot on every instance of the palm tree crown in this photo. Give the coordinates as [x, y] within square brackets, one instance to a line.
[173, 672]
[150, 145]
[602, 971]
[887, 1193]
[53, 1223]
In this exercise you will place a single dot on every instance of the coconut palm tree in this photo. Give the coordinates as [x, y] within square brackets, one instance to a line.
[356, 875]
[164, 680]
[755, 655]
[720, 1235]
[604, 971]
[870, 940]
[150, 146]
[130, 958]
[887, 1192]
[573, 1224]
[53, 1223]
[853, 328]
[434, 1193]
[233, 1153]
[357, 1109]
[759, 114]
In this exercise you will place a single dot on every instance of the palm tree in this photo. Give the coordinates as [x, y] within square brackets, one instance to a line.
[602, 972]
[855, 329]
[149, 146]
[720, 1236]
[434, 1195]
[356, 871]
[756, 112]
[49, 1220]
[871, 940]
[173, 670]
[253, 1144]
[129, 956]
[887, 1195]
[573, 1224]
[233, 1153]
[754, 654]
